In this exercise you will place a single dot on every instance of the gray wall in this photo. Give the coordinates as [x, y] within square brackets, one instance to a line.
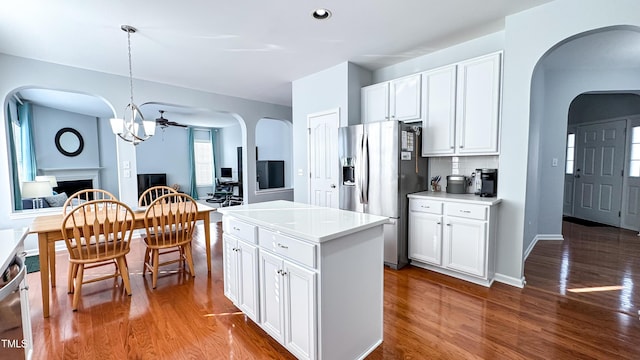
[274, 139]
[528, 36]
[229, 138]
[591, 107]
[167, 153]
[16, 73]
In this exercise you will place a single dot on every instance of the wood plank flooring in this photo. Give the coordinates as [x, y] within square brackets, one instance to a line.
[426, 316]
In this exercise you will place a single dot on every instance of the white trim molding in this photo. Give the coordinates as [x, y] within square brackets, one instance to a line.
[543, 237]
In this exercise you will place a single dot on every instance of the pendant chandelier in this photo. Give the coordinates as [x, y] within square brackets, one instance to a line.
[132, 127]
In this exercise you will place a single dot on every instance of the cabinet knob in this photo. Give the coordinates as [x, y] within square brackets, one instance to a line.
[465, 211]
[236, 229]
[438, 223]
[448, 224]
[282, 246]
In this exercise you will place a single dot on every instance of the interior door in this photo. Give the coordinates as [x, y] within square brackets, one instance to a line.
[323, 158]
[567, 205]
[599, 172]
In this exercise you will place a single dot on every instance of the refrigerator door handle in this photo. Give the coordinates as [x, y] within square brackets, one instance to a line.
[364, 188]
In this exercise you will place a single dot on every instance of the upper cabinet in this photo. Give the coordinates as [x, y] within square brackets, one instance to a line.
[462, 108]
[398, 99]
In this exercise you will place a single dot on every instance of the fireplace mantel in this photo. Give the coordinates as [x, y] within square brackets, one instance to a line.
[71, 174]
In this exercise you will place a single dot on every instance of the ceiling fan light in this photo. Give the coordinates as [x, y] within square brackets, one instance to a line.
[149, 127]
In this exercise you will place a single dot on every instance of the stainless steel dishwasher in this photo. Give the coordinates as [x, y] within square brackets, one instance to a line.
[15, 320]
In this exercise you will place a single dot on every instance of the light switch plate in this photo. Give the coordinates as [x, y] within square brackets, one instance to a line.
[127, 173]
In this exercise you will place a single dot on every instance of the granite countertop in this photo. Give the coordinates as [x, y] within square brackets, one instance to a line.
[12, 241]
[308, 222]
[466, 198]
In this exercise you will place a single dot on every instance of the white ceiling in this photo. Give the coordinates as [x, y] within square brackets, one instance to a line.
[250, 50]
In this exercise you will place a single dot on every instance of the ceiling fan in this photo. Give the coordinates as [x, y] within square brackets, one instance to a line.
[164, 123]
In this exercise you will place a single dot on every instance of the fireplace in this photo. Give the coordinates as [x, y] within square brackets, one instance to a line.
[72, 186]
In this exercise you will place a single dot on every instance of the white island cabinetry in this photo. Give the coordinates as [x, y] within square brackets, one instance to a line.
[317, 275]
[454, 234]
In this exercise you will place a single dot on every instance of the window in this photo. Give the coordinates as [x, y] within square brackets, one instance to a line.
[571, 147]
[204, 160]
[634, 164]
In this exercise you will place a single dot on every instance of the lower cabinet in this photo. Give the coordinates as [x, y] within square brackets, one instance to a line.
[287, 298]
[319, 299]
[240, 262]
[453, 237]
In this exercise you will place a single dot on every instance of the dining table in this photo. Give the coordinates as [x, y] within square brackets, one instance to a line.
[49, 230]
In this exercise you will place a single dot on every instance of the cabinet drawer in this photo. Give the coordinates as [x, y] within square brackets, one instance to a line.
[470, 211]
[293, 249]
[239, 229]
[424, 205]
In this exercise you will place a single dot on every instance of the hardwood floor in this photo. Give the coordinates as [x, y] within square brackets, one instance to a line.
[426, 316]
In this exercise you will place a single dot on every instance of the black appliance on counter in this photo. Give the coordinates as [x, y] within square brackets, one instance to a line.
[489, 179]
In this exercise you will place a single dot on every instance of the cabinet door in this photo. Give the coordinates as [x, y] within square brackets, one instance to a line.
[439, 88]
[375, 103]
[405, 99]
[466, 245]
[300, 311]
[230, 268]
[271, 296]
[248, 279]
[478, 105]
[425, 237]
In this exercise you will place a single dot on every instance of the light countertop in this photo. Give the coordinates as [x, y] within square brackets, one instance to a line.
[304, 221]
[466, 198]
[11, 241]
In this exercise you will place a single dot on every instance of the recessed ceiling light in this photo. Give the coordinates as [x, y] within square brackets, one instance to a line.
[321, 14]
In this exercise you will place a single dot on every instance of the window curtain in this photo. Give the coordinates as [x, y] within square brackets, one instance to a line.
[214, 141]
[192, 166]
[29, 167]
[17, 196]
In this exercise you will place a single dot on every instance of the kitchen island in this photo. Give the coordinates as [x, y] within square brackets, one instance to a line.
[311, 277]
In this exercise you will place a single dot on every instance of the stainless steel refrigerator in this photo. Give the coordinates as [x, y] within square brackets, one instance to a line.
[381, 164]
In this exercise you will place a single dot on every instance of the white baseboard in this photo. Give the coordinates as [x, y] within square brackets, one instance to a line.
[509, 280]
[542, 237]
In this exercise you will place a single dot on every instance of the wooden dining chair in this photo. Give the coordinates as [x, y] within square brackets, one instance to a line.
[83, 196]
[153, 193]
[170, 223]
[97, 233]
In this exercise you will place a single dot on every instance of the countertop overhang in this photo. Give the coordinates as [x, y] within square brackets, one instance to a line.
[308, 222]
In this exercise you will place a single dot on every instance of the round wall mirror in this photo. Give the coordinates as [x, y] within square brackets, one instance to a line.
[69, 141]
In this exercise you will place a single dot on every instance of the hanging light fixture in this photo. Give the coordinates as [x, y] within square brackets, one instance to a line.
[132, 127]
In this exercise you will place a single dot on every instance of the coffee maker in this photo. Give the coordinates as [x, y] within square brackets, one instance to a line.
[485, 182]
[489, 180]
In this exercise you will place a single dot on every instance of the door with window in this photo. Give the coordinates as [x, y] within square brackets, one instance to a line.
[600, 154]
[567, 205]
[631, 199]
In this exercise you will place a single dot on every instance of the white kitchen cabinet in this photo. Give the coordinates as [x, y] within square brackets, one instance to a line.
[462, 108]
[463, 244]
[287, 298]
[466, 245]
[320, 276]
[439, 124]
[240, 264]
[398, 99]
[425, 231]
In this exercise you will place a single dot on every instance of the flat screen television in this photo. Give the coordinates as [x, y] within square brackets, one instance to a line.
[226, 172]
[270, 174]
[146, 181]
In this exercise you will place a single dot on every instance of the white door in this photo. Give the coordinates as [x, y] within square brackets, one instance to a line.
[631, 198]
[439, 87]
[271, 296]
[300, 311]
[248, 279]
[375, 102]
[599, 172]
[465, 245]
[323, 158]
[425, 237]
